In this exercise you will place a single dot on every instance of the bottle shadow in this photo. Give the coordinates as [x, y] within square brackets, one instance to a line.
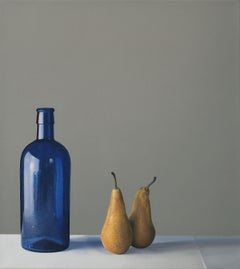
[85, 242]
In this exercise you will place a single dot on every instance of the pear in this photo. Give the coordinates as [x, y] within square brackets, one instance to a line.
[140, 218]
[116, 233]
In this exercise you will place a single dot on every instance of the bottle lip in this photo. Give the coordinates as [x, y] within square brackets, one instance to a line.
[45, 115]
[45, 109]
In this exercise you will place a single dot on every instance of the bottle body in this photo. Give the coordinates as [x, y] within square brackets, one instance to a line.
[45, 194]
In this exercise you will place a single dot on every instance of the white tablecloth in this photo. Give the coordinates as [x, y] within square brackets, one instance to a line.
[166, 252]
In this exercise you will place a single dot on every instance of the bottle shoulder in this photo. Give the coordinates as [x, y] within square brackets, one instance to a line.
[44, 147]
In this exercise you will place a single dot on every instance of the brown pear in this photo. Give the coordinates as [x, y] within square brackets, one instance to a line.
[140, 218]
[116, 234]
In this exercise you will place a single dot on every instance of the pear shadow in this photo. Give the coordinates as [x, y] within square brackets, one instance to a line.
[94, 242]
[81, 242]
[217, 242]
[162, 247]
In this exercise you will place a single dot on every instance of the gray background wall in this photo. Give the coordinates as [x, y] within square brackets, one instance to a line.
[143, 88]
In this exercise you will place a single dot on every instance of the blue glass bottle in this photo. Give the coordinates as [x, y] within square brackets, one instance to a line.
[45, 189]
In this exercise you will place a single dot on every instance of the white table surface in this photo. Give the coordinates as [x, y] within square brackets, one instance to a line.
[166, 252]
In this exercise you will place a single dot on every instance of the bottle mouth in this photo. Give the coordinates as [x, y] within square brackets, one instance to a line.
[45, 115]
[45, 109]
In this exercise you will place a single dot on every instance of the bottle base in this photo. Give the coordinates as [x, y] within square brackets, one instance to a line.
[43, 245]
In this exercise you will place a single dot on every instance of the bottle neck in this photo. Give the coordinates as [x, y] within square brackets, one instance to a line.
[45, 131]
[45, 122]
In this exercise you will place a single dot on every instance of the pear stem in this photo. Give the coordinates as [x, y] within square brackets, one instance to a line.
[115, 179]
[154, 179]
